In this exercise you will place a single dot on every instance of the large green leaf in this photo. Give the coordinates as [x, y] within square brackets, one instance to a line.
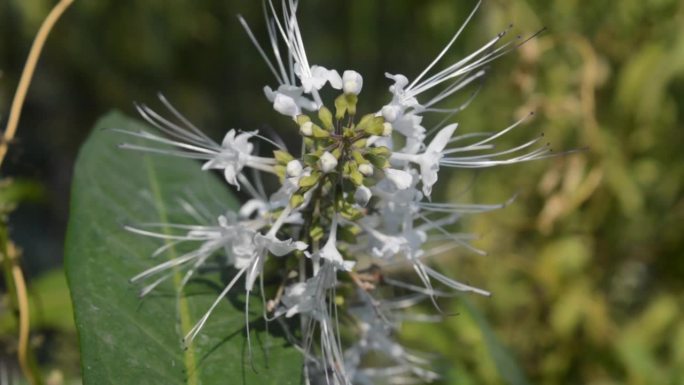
[128, 340]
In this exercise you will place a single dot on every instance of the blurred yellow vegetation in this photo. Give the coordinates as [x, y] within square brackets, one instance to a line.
[586, 266]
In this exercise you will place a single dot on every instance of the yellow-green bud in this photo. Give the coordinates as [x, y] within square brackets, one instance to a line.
[306, 128]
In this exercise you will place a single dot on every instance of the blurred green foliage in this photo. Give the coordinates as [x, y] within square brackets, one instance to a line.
[586, 266]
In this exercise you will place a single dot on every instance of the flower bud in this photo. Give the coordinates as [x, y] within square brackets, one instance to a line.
[286, 105]
[366, 169]
[306, 129]
[386, 129]
[390, 113]
[327, 162]
[362, 195]
[352, 82]
[294, 168]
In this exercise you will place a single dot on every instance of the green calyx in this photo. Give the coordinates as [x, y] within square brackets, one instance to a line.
[346, 139]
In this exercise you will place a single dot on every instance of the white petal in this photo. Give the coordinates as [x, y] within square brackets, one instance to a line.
[330, 253]
[231, 175]
[334, 79]
[400, 81]
[270, 94]
[286, 105]
[250, 207]
[442, 138]
[401, 179]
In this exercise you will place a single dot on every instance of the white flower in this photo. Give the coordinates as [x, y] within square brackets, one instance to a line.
[213, 238]
[352, 82]
[401, 179]
[401, 101]
[286, 105]
[251, 206]
[289, 100]
[316, 77]
[305, 298]
[234, 153]
[429, 160]
[409, 125]
[276, 246]
[330, 253]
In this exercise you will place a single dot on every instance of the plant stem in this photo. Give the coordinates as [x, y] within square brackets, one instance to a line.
[27, 74]
[14, 275]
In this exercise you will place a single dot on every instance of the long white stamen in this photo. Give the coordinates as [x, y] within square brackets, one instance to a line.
[256, 44]
[448, 46]
[200, 324]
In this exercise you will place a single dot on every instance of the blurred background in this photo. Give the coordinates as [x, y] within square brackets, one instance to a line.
[586, 266]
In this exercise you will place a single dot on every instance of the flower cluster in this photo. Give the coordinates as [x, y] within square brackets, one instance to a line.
[354, 198]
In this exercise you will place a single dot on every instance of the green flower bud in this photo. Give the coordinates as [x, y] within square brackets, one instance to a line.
[326, 118]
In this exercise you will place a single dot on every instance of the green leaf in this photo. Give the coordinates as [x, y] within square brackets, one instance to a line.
[128, 340]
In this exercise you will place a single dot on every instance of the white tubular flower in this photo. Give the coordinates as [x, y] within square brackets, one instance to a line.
[316, 77]
[352, 82]
[289, 100]
[400, 100]
[330, 253]
[376, 337]
[387, 246]
[401, 179]
[286, 105]
[327, 162]
[429, 160]
[278, 247]
[409, 125]
[251, 206]
[308, 297]
[225, 235]
[236, 153]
